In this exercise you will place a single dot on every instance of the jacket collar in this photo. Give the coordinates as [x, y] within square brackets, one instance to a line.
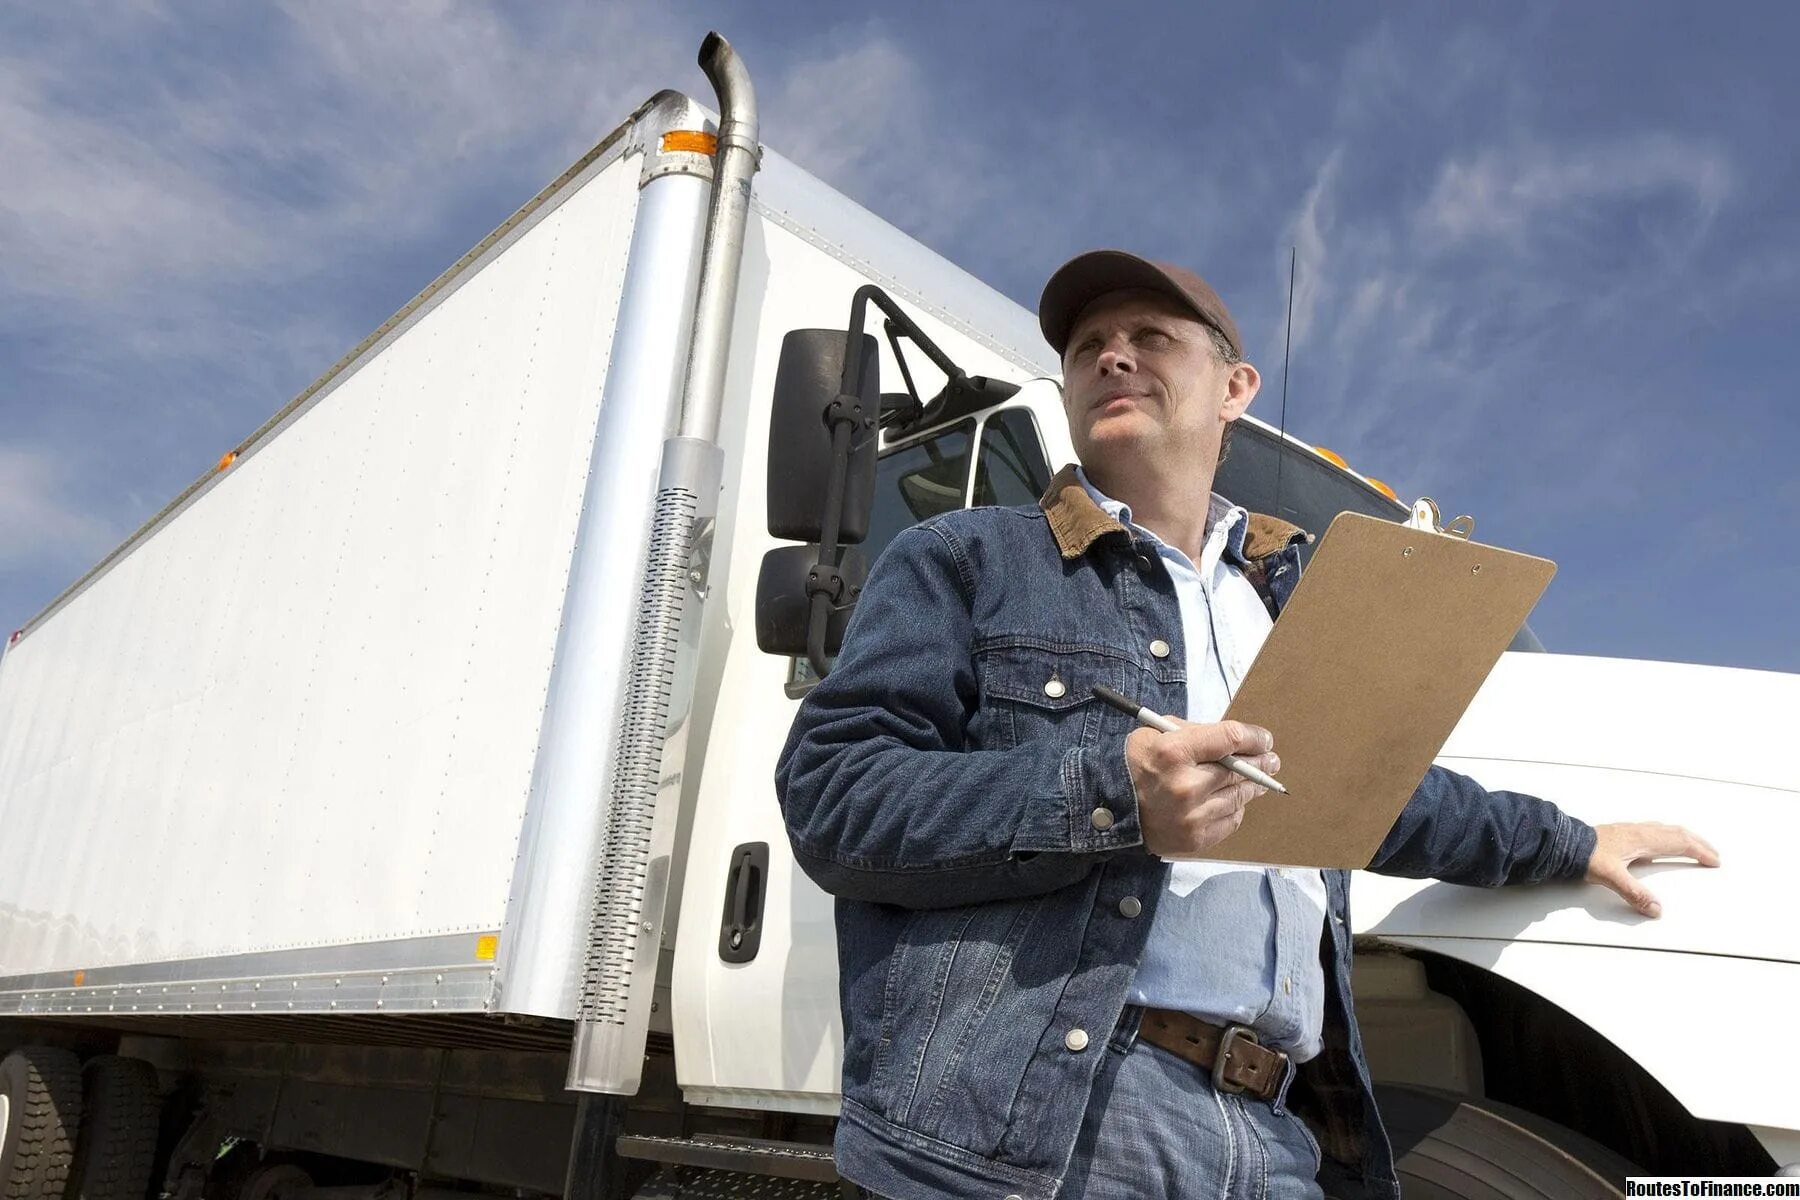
[1077, 522]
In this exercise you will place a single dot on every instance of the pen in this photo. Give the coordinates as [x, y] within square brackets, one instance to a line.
[1155, 720]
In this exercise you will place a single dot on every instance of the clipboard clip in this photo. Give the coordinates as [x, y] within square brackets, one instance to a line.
[1426, 516]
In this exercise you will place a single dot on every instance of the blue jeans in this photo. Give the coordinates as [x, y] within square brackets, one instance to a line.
[1155, 1127]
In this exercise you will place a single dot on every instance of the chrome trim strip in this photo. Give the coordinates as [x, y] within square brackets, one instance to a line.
[440, 973]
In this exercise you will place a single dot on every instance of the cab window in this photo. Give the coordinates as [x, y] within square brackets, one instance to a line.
[1010, 468]
[918, 480]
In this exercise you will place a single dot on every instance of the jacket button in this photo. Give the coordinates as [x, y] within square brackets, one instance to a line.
[1130, 906]
[1054, 689]
[1076, 1040]
[1101, 818]
[1159, 648]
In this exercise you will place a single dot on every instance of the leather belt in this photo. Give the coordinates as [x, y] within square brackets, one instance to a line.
[1236, 1060]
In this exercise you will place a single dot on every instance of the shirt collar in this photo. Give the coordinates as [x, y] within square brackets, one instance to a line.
[1219, 511]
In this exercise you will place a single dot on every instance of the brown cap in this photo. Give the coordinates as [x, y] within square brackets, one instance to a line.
[1086, 276]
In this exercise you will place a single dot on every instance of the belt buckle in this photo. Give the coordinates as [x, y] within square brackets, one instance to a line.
[1223, 1054]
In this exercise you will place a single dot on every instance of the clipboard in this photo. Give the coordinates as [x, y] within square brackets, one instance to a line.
[1375, 658]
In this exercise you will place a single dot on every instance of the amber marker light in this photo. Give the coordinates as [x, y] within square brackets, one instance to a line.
[690, 140]
[1331, 456]
[80, 978]
[1381, 487]
[486, 946]
[229, 457]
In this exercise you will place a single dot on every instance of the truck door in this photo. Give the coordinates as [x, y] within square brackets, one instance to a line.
[756, 1024]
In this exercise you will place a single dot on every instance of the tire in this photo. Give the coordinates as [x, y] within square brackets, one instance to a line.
[123, 1106]
[1451, 1147]
[40, 1113]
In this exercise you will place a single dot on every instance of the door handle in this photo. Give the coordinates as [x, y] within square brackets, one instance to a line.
[746, 885]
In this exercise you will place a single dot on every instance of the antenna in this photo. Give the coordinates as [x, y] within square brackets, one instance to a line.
[1286, 350]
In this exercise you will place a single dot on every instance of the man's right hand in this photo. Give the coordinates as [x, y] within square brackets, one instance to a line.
[1187, 802]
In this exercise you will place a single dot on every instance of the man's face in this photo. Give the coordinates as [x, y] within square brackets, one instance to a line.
[1141, 380]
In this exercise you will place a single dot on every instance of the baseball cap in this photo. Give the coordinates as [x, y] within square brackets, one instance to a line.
[1086, 276]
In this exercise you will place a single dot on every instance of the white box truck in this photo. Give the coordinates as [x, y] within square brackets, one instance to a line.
[393, 814]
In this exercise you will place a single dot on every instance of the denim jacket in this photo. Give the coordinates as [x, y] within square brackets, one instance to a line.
[948, 800]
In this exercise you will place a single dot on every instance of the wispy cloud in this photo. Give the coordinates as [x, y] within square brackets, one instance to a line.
[42, 523]
[1509, 193]
[348, 121]
[1422, 312]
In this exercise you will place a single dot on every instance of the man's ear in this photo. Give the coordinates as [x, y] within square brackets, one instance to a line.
[1240, 389]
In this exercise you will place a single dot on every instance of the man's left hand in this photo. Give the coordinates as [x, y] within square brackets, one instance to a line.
[1618, 846]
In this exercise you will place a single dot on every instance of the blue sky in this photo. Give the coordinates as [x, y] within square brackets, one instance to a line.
[1549, 255]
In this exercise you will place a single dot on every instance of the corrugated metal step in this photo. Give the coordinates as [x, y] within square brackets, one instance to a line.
[699, 1183]
[757, 1160]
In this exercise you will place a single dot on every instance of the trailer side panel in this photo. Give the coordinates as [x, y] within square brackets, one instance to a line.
[304, 711]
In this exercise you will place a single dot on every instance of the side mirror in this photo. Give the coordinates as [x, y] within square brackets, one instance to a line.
[824, 426]
[809, 382]
[783, 605]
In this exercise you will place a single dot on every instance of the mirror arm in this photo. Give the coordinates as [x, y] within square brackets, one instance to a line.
[901, 416]
[825, 584]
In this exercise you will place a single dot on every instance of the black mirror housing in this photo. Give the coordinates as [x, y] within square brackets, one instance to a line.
[783, 603]
[808, 381]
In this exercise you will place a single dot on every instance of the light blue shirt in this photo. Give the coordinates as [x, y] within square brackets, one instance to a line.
[1231, 942]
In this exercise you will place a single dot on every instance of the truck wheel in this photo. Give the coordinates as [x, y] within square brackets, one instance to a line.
[1452, 1147]
[123, 1106]
[40, 1111]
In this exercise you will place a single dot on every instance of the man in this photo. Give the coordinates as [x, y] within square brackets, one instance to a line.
[1047, 990]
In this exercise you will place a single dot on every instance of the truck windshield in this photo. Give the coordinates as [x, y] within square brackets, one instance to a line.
[1313, 491]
